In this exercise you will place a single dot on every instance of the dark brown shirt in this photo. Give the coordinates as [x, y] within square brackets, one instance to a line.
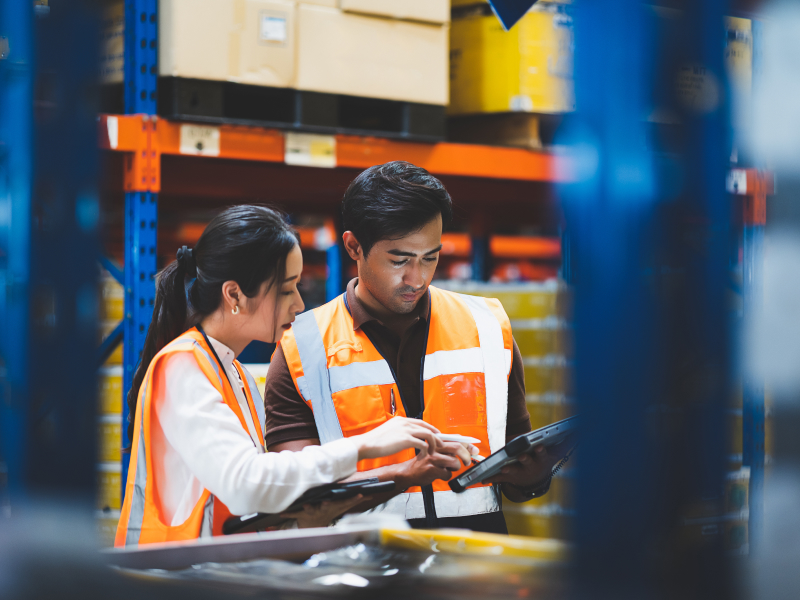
[289, 418]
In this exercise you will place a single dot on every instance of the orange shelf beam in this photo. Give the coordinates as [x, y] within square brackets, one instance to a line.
[505, 246]
[148, 139]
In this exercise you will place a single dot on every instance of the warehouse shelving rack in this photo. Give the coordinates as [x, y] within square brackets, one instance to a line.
[144, 139]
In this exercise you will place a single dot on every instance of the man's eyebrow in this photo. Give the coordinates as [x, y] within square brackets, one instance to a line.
[411, 254]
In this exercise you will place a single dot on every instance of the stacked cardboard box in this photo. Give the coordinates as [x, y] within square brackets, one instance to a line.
[370, 48]
[109, 410]
[109, 467]
[539, 314]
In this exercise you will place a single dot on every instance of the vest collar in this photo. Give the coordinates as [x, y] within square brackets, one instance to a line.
[360, 314]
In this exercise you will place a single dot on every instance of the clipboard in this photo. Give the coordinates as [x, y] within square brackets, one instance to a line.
[315, 495]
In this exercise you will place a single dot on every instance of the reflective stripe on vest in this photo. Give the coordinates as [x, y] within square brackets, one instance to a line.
[472, 501]
[494, 370]
[137, 502]
[139, 511]
[316, 385]
[492, 358]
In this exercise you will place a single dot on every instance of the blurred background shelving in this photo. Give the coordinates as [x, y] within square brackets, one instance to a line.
[249, 104]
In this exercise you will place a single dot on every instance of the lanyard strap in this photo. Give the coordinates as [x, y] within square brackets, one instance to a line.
[222, 368]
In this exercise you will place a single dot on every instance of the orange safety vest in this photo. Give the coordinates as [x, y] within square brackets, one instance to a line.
[140, 521]
[349, 386]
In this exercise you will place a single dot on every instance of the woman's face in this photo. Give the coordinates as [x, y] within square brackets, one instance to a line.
[275, 313]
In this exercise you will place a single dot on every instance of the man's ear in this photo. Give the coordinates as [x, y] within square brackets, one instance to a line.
[352, 245]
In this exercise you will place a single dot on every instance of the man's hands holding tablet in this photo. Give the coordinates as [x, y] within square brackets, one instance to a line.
[527, 472]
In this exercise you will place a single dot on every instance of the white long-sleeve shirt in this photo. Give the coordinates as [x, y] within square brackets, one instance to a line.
[203, 446]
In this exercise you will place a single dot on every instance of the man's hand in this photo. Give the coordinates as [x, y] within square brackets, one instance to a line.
[527, 472]
[320, 515]
[438, 463]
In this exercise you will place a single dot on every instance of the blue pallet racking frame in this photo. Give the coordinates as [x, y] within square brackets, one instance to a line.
[141, 208]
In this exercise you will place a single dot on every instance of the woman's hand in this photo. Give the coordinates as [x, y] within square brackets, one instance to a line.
[320, 515]
[398, 433]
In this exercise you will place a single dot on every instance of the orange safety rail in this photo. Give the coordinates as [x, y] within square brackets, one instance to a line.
[236, 142]
[311, 238]
[132, 134]
[146, 139]
[502, 246]
[456, 244]
[505, 246]
[443, 158]
[757, 186]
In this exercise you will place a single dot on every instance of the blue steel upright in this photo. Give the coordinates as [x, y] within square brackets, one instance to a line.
[650, 234]
[141, 208]
[16, 178]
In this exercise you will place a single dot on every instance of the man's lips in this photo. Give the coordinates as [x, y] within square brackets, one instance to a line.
[410, 297]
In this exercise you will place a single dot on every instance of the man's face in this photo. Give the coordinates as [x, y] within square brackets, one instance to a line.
[397, 273]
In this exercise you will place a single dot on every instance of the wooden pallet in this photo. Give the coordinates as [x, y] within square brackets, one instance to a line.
[224, 102]
[520, 130]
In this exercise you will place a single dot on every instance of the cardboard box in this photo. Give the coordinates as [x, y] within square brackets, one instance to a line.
[112, 43]
[429, 11]
[357, 55]
[244, 41]
[527, 69]
[107, 328]
[109, 429]
[109, 390]
[109, 486]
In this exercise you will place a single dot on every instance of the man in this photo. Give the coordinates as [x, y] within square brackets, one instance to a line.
[392, 345]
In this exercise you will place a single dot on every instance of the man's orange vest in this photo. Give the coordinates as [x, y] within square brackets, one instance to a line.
[140, 521]
[349, 386]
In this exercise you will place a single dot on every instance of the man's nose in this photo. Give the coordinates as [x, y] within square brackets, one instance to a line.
[414, 276]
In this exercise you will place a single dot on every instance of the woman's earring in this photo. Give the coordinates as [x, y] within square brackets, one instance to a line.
[235, 310]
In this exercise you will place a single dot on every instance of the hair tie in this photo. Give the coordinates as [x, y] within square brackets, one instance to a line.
[186, 261]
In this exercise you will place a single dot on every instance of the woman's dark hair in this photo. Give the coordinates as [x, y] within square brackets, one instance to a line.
[245, 244]
[390, 201]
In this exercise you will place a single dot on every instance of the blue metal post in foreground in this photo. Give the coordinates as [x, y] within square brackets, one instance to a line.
[650, 228]
[49, 221]
[16, 178]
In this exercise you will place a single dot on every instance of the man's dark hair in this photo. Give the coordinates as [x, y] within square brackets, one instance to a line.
[392, 200]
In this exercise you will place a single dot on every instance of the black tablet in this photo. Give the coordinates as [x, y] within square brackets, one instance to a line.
[315, 495]
[552, 435]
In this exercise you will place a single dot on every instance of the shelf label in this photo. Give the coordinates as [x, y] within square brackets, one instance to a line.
[273, 29]
[200, 140]
[737, 182]
[310, 150]
[112, 124]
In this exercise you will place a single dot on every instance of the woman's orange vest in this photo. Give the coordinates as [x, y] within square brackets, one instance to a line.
[349, 386]
[141, 521]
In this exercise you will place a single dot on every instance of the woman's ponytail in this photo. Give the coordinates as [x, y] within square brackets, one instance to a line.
[169, 320]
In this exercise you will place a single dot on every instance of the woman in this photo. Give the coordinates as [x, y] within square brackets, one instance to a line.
[197, 447]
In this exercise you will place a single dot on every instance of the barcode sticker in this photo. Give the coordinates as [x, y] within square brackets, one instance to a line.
[310, 150]
[273, 29]
[200, 140]
[737, 182]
